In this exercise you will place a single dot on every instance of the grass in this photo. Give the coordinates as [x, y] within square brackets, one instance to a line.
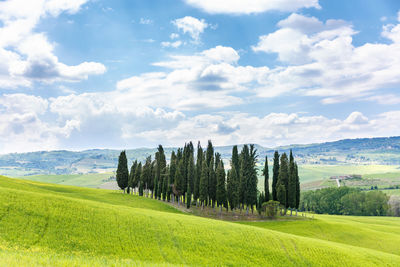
[87, 180]
[44, 224]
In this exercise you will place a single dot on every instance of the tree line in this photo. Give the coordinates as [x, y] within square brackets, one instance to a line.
[201, 180]
[345, 201]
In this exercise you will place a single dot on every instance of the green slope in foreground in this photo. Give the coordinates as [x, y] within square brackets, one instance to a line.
[43, 224]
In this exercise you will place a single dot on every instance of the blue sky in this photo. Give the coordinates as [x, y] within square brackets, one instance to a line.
[124, 74]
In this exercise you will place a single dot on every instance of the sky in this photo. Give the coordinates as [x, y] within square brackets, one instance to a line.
[122, 74]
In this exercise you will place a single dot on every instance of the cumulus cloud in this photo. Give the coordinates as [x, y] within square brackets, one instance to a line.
[192, 26]
[322, 61]
[27, 56]
[251, 6]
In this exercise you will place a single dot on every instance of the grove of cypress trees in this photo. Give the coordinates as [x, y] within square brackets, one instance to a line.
[145, 176]
[221, 187]
[132, 175]
[171, 177]
[179, 179]
[266, 180]
[233, 188]
[122, 171]
[275, 174]
[138, 175]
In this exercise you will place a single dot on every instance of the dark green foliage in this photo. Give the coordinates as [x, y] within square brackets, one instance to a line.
[292, 183]
[145, 176]
[235, 160]
[161, 165]
[271, 208]
[199, 164]
[209, 153]
[233, 188]
[217, 160]
[172, 171]
[122, 171]
[212, 183]
[191, 175]
[260, 201]
[132, 175]
[266, 180]
[297, 186]
[275, 175]
[221, 186]
[283, 178]
[138, 175]
[251, 198]
[244, 174]
[281, 194]
[179, 179]
[203, 190]
[345, 201]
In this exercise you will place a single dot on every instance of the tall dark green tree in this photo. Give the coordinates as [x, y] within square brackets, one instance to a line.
[191, 175]
[212, 183]
[199, 165]
[132, 175]
[221, 186]
[297, 186]
[251, 198]
[292, 183]
[235, 160]
[122, 171]
[283, 178]
[275, 174]
[232, 188]
[138, 175]
[172, 171]
[203, 189]
[145, 176]
[209, 153]
[179, 179]
[217, 161]
[281, 194]
[243, 175]
[161, 165]
[266, 180]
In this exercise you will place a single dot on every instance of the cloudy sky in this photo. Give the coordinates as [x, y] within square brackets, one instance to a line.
[124, 74]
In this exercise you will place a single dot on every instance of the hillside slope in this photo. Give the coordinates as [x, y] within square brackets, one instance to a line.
[63, 225]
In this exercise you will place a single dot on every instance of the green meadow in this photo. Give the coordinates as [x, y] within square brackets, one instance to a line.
[58, 225]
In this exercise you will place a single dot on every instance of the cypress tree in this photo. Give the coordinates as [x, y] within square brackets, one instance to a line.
[191, 174]
[203, 189]
[179, 179]
[122, 171]
[292, 183]
[209, 153]
[297, 186]
[145, 177]
[212, 180]
[172, 171]
[275, 174]
[167, 186]
[243, 176]
[221, 187]
[266, 178]
[235, 160]
[281, 194]
[160, 171]
[199, 163]
[138, 175]
[260, 201]
[232, 188]
[217, 161]
[132, 175]
[283, 178]
[252, 181]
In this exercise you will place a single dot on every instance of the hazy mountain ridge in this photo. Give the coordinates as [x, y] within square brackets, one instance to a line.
[385, 150]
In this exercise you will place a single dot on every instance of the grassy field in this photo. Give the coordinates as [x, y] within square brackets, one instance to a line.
[88, 180]
[45, 224]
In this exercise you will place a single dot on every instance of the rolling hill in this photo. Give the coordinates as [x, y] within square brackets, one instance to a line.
[58, 225]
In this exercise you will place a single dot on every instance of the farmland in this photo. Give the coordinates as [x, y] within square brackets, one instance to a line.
[46, 224]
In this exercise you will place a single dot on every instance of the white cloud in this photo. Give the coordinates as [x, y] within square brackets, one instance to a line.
[174, 36]
[194, 27]
[251, 6]
[175, 44]
[145, 21]
[27, 56]
[322, 61]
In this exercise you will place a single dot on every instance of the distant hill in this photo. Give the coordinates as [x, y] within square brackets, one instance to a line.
[384, 151]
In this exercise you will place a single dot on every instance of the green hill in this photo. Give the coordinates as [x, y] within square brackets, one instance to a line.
[45, 224]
